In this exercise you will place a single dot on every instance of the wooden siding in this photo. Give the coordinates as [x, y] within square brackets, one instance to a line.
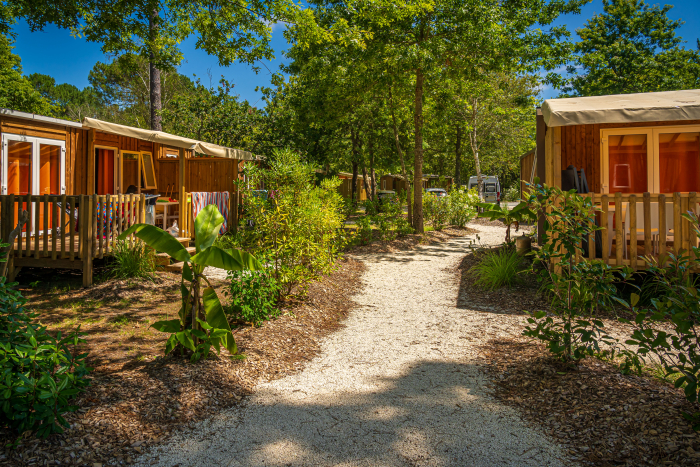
[526, 162]
[580, 146]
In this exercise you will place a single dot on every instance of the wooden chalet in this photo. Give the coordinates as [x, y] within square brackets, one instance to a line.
[346, 186]
[638, 157]
[83, 184]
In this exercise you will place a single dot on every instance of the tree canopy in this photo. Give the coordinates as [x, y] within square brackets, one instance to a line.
[631, 47]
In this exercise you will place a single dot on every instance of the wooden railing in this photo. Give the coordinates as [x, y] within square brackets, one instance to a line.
[68, 231]
[652, 219]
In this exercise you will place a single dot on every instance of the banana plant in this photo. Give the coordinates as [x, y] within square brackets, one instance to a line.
[202, 323]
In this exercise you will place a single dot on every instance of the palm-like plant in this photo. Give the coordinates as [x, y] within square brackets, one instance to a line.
[201, 321]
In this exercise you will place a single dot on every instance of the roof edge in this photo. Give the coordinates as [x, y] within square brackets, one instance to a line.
[39, 118]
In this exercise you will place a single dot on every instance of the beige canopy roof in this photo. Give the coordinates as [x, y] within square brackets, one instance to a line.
[623, 108]
[161, 137]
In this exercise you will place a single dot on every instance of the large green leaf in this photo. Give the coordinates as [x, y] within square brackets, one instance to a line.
[159, 240]
[230, 260]
[170, 326]
[206, 227]
[217, 318]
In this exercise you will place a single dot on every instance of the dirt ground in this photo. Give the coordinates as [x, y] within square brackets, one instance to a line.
[137, 397]
[602, 417]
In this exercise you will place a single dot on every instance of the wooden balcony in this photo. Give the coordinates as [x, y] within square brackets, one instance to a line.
[642, 224]
[68, 231]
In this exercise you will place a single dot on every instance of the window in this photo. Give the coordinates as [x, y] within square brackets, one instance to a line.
[106, 171]
[148, 171]
[657, 160]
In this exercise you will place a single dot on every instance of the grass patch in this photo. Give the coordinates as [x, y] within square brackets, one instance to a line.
[498, 268]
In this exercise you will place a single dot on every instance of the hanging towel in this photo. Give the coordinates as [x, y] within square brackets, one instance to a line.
[200, 199]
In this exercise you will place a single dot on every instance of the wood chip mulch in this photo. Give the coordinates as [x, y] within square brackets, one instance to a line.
[135, 402]
[600, 416]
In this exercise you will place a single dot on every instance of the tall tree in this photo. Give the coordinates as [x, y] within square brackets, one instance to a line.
[154, 29]
[431, 40]
[16, 91]
[631, 47]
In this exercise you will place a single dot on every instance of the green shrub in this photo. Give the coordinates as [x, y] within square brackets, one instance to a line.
[512, 193]
[579, 289]
[435, 210]
[253, 296]
[300, 227]
[461, 206]
[498, 268]
[135, 260]
[364, 230]
[40, 373]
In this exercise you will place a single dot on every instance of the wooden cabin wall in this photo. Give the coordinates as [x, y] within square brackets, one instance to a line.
[526, 170]
[205, 174]
[75, 139]
[580, 146]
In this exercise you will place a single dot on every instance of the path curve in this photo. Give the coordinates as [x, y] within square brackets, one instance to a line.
[399, 385]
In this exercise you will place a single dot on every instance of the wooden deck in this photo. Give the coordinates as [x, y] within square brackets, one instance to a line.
[69, 231]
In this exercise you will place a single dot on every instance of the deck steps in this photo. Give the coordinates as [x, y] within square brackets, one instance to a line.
[175, 267]
[163, 259]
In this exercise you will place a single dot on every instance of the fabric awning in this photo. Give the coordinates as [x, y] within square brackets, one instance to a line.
[161, 137]
[623, 108]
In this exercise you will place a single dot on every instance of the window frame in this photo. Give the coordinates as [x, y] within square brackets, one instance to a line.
[142, 171]
[36, 158]
[117, 167]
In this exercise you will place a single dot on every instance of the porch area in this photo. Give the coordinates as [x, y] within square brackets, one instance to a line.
[69, 232]
[635, 225]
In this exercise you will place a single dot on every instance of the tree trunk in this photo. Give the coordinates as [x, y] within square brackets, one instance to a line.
[475, 149]
[418, 154]
[373, 182]
[355, 157]
[365, 180]
[397, 141]
[458, 158]
[155, 97]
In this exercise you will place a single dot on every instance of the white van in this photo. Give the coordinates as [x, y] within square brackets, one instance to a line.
[492, 188]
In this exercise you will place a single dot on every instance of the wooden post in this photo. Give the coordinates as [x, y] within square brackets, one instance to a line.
[662, 229]
[181, 191]
[37, 213]
[618, 229]
[692, 236]
[101, 214]
[45, 249]
[557, 156]
[87, 204]
[68, 224]
[28, 229]
[685, 225]
[71, 226]
[677, 229]
[591, 236]
[91, 162]
[633, 231]
[55, 221]
[647, 224]
[604, 224]
[233, 211]
[93, 226]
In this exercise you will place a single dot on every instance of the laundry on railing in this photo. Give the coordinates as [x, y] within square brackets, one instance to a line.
[200, 199]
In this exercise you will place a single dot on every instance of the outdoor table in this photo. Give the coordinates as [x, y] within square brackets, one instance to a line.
[166, 206]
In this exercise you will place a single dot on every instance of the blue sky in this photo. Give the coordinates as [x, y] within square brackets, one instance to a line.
[69, 60]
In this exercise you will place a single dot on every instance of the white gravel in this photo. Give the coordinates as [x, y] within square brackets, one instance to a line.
[400, 384]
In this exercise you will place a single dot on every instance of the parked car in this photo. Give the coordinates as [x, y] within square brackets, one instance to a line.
[439, 192]
[384, 196]
[492, 188]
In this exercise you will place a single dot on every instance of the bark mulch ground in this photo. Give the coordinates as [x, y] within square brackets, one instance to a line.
[602, 417]
[137, 397]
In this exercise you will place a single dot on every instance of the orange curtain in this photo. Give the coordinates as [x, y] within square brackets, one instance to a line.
[104, 169]
[679, 162]
[628, 163]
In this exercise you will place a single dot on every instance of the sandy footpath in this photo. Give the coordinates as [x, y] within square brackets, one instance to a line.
[400, 384]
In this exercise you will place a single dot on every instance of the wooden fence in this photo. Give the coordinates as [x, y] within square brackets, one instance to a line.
[68, 231]
[652, 222]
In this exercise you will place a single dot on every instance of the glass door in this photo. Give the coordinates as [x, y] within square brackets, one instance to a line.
[627, 161]
[32, 166]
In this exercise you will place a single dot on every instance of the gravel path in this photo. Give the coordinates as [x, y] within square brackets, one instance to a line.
[399, 385]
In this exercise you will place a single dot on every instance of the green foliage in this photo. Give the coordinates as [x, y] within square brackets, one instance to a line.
[201, 322]
[135, 260]
[631, 47]
[40, 373]
[301, 227]
[253, 296]
[512, 193]
[16, 91]
[461, 206]
[364, 230]
[669, 328]
[510, 217]
[579, 290]
[498, 268]
[436, 211]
